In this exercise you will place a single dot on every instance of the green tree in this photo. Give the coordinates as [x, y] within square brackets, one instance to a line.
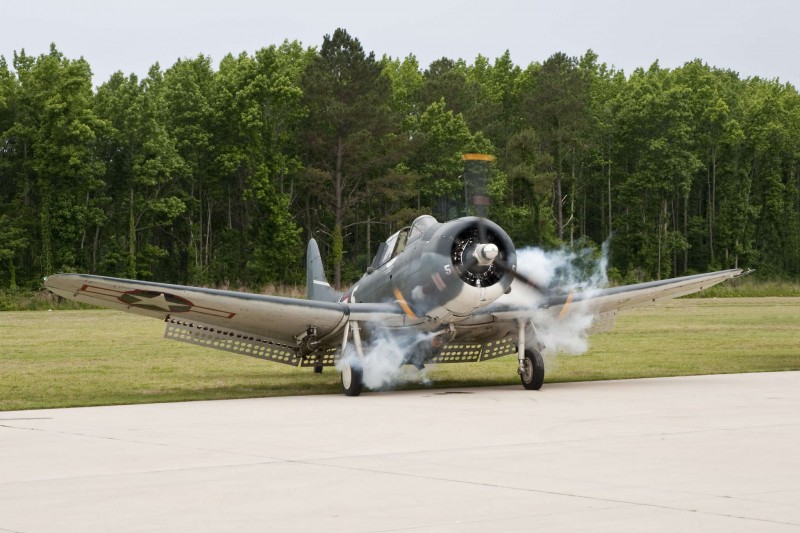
[558, 109]
[407, 83]
[259, 105]
[53, 140]
[523, 200]
[495, 113]
[191, 120]
[144, 162]
[12, 201]
[349, 127]
[449, 79]
[441, 137]
[661, 159]
[770, 119]
[605, 85]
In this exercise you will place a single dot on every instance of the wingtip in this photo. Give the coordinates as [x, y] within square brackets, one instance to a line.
[52, 278]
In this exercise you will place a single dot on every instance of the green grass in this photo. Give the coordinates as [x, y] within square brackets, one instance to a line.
[96, 357]
[36, 301]
[692, 337]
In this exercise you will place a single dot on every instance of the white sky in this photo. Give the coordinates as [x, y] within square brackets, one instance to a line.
[752, 37]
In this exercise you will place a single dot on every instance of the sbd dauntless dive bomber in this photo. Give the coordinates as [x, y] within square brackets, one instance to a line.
[454, 284]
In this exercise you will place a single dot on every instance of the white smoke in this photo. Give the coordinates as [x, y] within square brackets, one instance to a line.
[565, 270]
[561, 273]
[384, 359]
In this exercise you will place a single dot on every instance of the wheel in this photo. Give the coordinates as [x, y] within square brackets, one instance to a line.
[318, 370]
[352, 380]
[532, 374]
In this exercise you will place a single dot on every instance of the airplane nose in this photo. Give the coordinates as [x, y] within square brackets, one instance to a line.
[486, 253]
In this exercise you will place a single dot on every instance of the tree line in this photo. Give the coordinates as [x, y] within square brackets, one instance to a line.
[217, 176]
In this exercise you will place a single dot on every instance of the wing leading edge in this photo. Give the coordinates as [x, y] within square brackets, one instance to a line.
[611, 300]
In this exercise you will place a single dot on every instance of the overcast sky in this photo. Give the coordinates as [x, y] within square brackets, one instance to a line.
[752, 37]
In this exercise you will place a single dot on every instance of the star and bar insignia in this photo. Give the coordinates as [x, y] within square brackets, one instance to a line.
[156, 301]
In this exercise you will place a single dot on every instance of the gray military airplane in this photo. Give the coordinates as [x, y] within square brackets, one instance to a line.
[454, 285]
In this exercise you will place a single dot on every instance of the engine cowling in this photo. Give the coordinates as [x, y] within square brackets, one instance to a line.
[463, 266]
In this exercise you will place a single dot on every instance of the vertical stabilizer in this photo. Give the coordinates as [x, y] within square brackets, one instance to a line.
[317, 286]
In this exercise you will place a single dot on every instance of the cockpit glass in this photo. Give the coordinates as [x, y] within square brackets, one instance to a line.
[402, 241]
[419, 226]
[389, 248]
[424, 221]
[398, 242]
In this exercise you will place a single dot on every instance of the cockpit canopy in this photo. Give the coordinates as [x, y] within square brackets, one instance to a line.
[395, 244]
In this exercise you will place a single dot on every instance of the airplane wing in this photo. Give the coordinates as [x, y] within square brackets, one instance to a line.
[611, 300]
[492, 331]
[268, 327]
[309, 332]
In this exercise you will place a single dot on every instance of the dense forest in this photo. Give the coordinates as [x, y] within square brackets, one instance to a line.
[217, 176]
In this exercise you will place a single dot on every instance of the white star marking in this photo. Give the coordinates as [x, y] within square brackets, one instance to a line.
[159, 301]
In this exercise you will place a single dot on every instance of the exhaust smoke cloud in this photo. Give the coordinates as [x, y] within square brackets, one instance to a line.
[562, 272]
[385, 356]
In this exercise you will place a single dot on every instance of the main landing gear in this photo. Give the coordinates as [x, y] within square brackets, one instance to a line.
[352, 369]
[352, 379]
[531, 370]
[531, 364]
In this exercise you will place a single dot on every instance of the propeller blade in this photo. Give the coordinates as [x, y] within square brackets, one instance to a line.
[567, 303]
[522, 277]
[483, 233]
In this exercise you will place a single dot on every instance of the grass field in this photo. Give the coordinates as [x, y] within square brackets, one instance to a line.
[94, 357]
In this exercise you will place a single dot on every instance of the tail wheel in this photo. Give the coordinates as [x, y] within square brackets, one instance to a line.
[352, 380]
[532, 374]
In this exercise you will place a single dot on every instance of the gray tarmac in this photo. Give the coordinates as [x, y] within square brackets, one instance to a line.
[708, 453]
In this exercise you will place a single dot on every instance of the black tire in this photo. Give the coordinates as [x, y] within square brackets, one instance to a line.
[352, 380]
[318, 370]
[532, 376]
